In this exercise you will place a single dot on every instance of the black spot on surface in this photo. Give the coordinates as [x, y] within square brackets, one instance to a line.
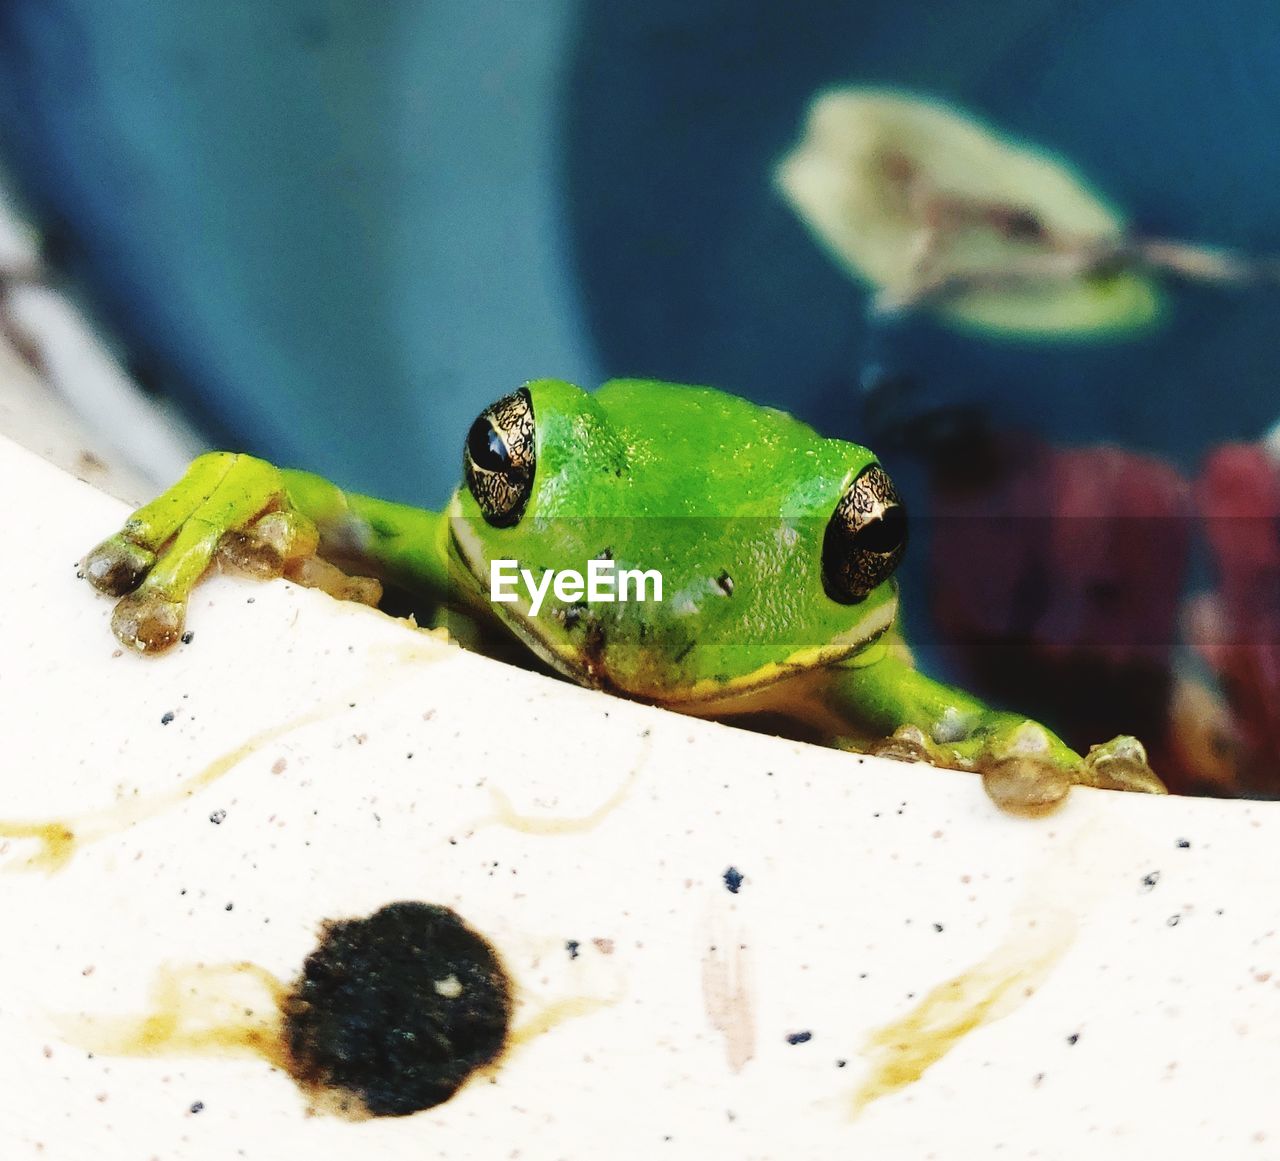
[733, 880]
[218, 817]
[197, 1106]
[397, 1009]
[1183, 844]
[188, 637]
[1150, 880]
[1073, 1038]
[799, 1037]
[166, 718]
[571, 946]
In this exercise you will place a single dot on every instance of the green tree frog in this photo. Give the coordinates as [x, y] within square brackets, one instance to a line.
[775, 549]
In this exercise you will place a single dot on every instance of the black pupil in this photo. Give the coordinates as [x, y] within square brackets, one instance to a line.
[487, 448]
[884, 535]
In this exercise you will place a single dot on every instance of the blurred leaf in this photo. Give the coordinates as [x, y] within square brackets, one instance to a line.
[880, 175]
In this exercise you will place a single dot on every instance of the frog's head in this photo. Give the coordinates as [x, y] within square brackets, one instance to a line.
[776, 547]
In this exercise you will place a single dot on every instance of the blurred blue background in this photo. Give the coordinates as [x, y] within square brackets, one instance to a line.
[334, 230]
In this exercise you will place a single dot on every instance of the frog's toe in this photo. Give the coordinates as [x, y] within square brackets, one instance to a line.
[271, 545]
[148, 622]
[1025, 784]
[906, 744]
[117, 565]
[313, 573]
[1025, 769]
[1121, 764]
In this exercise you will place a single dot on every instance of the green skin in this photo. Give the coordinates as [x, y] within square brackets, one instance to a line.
[728, 500]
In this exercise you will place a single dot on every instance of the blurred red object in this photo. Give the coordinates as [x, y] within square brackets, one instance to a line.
[1236, 631]
[1058, 575]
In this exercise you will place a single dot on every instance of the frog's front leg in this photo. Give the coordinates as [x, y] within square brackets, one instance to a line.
[259, 519]
[1025, 768]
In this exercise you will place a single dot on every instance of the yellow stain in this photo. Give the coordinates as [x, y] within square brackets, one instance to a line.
[556, 1013]
[904, 1050]
[57, 843]
[60, 839]
[505, 813]
[195, 1010]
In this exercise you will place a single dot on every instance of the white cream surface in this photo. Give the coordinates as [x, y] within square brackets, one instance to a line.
[1104, 983]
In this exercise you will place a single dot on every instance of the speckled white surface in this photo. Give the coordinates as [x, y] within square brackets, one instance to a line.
[1144, 928]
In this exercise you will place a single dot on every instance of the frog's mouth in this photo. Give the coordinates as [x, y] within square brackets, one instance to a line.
[467, 551]
[587, 668]
[713, 696]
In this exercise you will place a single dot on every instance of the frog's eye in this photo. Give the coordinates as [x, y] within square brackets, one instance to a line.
[865, 539]
[500, 457]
